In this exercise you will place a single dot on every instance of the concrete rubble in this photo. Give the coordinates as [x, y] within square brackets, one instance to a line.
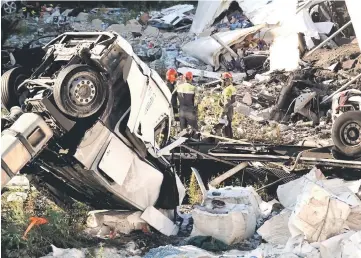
[278, 100]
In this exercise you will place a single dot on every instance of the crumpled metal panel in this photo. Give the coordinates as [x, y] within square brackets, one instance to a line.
[208, 49]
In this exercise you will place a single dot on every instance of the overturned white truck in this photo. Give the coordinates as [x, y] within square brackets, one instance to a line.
[89, 121]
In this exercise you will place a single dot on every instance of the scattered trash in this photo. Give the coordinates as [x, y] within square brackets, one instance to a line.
[287, 110]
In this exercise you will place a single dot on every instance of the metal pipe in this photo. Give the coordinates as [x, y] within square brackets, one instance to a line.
[304, 160]
[200, 183]
[216, 38]
[343, 87]
[329, 38]
[228, 174]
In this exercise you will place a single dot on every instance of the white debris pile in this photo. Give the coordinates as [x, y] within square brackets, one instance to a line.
[228, 214]
[130, 250]
[320, 219]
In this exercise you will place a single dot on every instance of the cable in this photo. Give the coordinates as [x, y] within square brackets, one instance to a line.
[288, 109]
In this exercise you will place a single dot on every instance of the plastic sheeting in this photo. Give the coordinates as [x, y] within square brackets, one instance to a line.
[228, 214]
[318, 214]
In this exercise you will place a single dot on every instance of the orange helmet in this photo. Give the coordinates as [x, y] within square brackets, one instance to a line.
[189, 76]
[226, 75]
[171, 75]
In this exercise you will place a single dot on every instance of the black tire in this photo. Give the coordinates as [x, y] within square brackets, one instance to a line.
[346, 134]
[79, 91]
[10, 81]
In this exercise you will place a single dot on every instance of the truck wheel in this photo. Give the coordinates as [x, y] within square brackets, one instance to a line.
[9, 7]
[10, 81]
[346, 133]
[79, 91]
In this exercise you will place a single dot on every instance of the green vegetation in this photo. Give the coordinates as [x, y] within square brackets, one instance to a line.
[64, 228]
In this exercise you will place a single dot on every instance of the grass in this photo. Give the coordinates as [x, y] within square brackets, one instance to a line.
[64, 228]
[194, 191]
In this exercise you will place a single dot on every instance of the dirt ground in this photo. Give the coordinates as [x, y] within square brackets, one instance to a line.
[325, 57]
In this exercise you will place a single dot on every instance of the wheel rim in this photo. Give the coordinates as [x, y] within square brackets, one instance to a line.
[351, 134]
[82, 91]
[10, 7]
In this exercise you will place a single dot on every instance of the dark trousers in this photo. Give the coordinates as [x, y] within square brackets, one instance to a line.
[188, 116]
[228, 129]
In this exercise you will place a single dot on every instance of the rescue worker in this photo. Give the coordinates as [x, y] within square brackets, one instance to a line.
[172, 76]
[186, 97]
[226, 101]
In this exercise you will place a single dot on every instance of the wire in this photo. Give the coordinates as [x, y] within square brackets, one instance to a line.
[288, 109]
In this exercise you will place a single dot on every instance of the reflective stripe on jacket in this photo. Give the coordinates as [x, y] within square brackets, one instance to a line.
[186, 92]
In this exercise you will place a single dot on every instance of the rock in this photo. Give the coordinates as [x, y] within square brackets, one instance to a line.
[243, 109]
[275, 230]
[247, 99]
[240, 131]
[265, 113]
[82, 17]
[151, 31]
[97, 24]
[118, 28]
[349, 64]
[229, 214]
[169, 35]
[262, 78]
[133, 22]
[19, 181]
[133, 28]
[17, 197]
[283, 127]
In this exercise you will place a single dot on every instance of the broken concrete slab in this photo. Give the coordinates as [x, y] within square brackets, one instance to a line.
[169, 35]
[349, 64]
[275, 230]
[97, 24]
[159, 221]
[151, 32]
[118, 28]
[247, 99]
[82, 17]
